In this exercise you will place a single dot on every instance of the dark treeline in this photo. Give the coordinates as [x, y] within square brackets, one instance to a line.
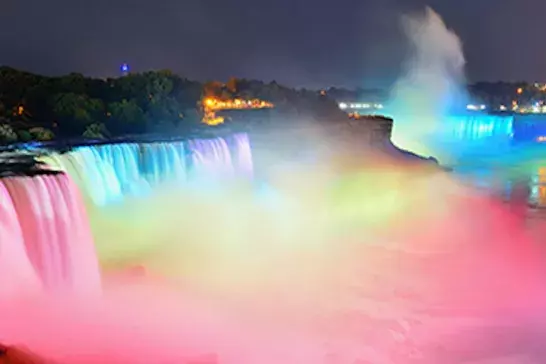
[35, 107]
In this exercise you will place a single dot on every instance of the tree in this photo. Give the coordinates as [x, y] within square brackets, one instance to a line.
[73, 83]
[24, 135]
[96, 131]
[7, 134]
[159, 84]
[75, 112]
[126, 117]
[212, 89]
[163, 111]
[231, 85]
[41, 134]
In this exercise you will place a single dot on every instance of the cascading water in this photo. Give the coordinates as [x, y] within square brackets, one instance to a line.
[357, 295]
[163, 162]
[93, 175]
[43, 216]
[14, 260]
[476, 127]
[125, 160]
[243, 155]
[425, 100]
[211, 158]
[55, 231]
[108, 173]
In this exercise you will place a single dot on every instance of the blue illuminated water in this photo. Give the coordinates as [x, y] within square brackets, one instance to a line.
[125, 160]
[163, 162]
[109, 173]
[471, 127]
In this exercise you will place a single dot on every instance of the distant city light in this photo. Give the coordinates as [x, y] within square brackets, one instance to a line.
[358, 105]
[519, 91]
[502, 108]
[475, 107]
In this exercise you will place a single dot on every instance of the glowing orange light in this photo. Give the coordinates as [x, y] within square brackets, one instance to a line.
[211, 105]
[213, 120]
[520, 91]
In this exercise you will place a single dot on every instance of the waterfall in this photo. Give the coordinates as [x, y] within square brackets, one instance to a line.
[125, 160]
[54, 228]
[93, 175]
[211, 158]
[14, 260]
[163, 162]
[468, 128]
[45, 237]
[108, 173]
[243, 155]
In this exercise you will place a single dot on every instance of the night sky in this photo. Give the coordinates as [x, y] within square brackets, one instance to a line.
[311, 43]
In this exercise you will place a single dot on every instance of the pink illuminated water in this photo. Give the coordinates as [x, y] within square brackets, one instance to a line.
[48, 216]
[445, 276]
[15, 266]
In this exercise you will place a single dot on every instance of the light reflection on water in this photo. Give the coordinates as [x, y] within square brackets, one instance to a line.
[538, 188]
[500, 182]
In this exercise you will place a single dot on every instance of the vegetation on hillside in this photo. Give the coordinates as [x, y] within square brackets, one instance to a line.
[36, 107]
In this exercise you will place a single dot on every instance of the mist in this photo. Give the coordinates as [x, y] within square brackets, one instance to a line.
[431, 84]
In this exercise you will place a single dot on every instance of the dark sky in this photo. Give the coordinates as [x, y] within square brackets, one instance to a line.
[299, 42]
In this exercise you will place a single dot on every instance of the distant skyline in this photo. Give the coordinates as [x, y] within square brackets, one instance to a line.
[304, 43]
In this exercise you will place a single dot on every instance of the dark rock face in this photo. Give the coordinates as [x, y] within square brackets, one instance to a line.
[13, 164]
[19, 355]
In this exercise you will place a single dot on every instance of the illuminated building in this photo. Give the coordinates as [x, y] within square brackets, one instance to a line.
[211, 105]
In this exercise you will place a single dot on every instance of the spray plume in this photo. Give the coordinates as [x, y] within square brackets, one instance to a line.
[431, 85]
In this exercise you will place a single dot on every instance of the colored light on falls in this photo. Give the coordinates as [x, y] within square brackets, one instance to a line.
[337, 261]
[109, 173]
[447, 139]
[54, 229]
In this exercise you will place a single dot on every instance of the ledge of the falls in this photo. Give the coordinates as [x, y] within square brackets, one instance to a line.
[22, 164]
[403, 155]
